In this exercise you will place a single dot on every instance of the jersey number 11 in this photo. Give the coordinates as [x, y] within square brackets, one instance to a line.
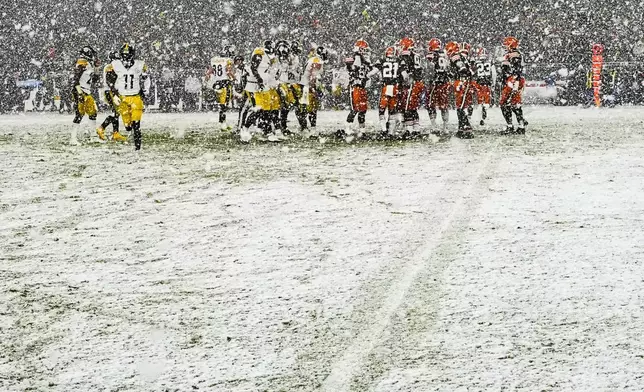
[129, 85]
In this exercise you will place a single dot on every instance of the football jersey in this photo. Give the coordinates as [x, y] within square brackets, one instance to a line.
[312, 71]
[512, 64]
[440, 65]
[460, 66]
[358, 67]
[265, 69]
[86, 76]
[295, 73]
[483, 72]
[411, 66]
[389, 71]
[128, 81]
[283, 70]
[222, 69]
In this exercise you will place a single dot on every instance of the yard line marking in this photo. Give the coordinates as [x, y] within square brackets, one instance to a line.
[343, 370]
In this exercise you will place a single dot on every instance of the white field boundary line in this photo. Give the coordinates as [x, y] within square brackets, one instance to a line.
[343, 370]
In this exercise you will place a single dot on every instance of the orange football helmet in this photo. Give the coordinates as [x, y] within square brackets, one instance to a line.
[390, 52]
[434, 45]
[510, 43]
[481, 53]
[407, 43]
[452, 48]
[361, 46]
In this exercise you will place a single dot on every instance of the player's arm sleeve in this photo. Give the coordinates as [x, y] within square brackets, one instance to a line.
[377, 68]
[404, 71]
[517, 66]
[78, 72]
[230, 70]
[243, 80]
[254, 65]
[147, 83]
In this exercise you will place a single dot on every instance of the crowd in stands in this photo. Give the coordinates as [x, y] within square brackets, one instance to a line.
[40, 40]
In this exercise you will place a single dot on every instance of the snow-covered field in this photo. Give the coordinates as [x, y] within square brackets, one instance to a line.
[497, 264]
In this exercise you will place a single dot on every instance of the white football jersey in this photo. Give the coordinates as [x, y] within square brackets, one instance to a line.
[86, 77]
[296, 69]
[129, 79]
[284, 68]
[312, 71]
[222, 69]
[266, 70]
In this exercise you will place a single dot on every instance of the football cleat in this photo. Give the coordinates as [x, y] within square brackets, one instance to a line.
[465, 134]
[100, 131]
[117, 137]
[509, 130]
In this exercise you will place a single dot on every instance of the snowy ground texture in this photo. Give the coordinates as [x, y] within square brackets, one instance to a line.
[497, 264]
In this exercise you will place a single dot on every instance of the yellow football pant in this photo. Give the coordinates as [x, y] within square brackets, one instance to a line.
[87, 106]
[131, 109]
[267, 100]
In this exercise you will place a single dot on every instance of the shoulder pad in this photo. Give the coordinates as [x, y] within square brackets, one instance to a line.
[109, 68]
[81, 62]
[258, 52]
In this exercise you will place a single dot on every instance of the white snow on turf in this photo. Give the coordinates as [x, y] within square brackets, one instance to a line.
[343, 371]
[260, 267]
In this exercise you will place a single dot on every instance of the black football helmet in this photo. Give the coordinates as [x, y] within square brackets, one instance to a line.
[127, 54]
[114, 55]
[283, 50]
[296, 49]
[229, 51]
[269, 47]
[322, 53]
[89, 54]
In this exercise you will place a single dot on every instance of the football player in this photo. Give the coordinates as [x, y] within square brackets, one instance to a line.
[219, 78]
[466, 52]
[484, 80]
[514, 83]
[411, 71]
[440, 86]
[262, 89]
[84, 79]
[309, 103]
[359, 66]
[286, 77]
[133, 85]
[462, 88]
[109, 92]
[389, 70]
[241, 80]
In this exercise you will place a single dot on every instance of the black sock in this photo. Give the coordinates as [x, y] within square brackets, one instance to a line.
[519, 113]
[136, 128]
[313, 118]
[507, 114]
[432, 113]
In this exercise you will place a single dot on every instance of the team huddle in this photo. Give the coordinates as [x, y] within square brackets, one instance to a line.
[275, 82]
